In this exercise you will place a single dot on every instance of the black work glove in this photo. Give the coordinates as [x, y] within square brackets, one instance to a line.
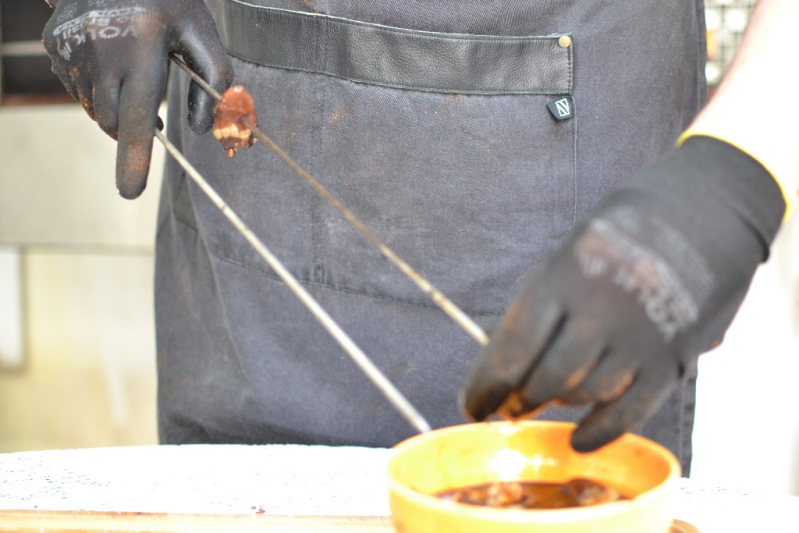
[112, 57]
[616, 316]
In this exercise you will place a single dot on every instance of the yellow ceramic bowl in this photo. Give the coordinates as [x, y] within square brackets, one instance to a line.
[473, 454]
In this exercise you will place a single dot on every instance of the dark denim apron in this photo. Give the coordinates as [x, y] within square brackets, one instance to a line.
[430, 121]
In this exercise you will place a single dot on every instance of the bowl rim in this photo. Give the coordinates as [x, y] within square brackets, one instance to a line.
[571, 514]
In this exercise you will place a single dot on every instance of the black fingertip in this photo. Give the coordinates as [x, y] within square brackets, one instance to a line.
[159, 124]
[585, 440]
[70, 89]
[467, 415]
[474, 410]
[130, 187]
[130, 190]
[214, 65]
[85, 99]
[478, 402]
[583, 445]
[471, 410]
[132, 171]
[201, 110]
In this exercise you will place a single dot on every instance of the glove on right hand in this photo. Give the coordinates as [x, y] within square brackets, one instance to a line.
[649, 281]
[112, 56]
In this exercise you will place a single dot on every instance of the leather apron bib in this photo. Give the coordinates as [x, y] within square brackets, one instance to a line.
[430, 122]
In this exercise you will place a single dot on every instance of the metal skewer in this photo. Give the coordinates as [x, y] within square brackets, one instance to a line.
[358, 356]
[452, 310]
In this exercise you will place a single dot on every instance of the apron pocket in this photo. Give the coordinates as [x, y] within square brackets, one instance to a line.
[448, 146]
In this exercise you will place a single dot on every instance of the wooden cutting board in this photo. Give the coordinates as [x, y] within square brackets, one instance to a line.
[80, 522]
[75, 522]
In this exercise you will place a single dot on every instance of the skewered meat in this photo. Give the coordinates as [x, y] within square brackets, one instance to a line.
[230, 129]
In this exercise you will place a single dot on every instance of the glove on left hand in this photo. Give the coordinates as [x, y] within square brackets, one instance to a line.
[112, 56]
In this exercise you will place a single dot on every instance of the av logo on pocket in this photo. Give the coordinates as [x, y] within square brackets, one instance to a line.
[562, 109]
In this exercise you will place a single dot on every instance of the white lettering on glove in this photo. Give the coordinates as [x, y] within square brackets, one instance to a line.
[96, 24]
[611, 247]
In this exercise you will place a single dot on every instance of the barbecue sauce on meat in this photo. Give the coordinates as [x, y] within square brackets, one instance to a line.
[229, 128]
[577, 492]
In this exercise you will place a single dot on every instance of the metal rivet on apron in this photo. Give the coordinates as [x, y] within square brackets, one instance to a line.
[565, 41]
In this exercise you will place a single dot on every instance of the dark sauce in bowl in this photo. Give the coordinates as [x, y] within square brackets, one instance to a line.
[578, 492]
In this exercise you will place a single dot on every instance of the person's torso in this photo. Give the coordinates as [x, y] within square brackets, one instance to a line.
[471, 179]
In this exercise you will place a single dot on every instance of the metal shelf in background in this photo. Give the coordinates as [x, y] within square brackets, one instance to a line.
[726, 21]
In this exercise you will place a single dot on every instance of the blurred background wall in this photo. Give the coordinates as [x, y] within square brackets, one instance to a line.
[77, 341]
[77, 347]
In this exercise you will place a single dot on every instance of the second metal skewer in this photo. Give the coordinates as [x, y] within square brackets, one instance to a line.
[405, 408]
[452, 310]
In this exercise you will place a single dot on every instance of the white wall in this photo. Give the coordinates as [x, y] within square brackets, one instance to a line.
[747, 426]
[85, 259]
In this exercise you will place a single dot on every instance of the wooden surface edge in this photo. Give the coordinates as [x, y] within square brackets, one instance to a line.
[90, 521]
[678, 526]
